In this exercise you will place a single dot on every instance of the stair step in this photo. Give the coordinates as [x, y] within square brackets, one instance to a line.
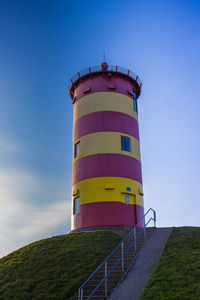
[117, 274]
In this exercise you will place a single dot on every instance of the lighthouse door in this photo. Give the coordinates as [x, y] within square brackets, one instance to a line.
[128, 209]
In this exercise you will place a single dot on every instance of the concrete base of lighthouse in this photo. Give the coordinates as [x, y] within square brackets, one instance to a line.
[95, 228]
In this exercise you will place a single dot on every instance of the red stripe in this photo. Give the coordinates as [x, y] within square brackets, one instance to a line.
[101, 84]
[100, 165]
[108, 213]
[106, 121]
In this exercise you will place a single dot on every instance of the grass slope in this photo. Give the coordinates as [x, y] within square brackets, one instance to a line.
[177, 275]
[54, 268]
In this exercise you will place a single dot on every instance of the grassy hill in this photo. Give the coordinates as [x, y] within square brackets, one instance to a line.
[177, 275]
[55, 267]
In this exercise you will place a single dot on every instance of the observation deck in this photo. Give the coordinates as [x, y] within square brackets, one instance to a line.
[107, 71]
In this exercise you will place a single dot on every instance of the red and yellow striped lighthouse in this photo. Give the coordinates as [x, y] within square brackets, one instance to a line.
[106, 176]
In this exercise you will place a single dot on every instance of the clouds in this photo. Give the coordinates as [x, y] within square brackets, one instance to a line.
[38, 56]
[35, 183]
[23, 219]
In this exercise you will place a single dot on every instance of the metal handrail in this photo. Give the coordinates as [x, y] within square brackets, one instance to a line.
[104, 263]
[111, 68]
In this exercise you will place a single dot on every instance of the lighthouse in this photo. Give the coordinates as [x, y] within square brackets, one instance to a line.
[106, 173]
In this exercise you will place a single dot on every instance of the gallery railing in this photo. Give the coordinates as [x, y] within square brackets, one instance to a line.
[110, 68]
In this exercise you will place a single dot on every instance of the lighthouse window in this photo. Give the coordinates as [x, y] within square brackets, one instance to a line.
[76, 205]
[125, 143]
[135, 103]
[77, 149]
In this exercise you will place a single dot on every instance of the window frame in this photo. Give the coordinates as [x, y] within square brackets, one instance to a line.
[75, 204]
[77, 153]
[135, 105]
[125, 143]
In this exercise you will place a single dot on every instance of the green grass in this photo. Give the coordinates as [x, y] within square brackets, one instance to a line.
[54, 268]
[177, 275]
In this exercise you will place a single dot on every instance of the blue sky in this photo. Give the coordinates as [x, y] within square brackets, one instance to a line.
[43, 43]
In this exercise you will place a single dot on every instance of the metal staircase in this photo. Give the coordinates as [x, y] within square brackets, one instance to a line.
[107, 276]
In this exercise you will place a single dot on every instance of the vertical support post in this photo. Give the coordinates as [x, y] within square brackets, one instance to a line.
[144, 229]
[106, 282]
[154, 217]
[145, 232]
[135, 245]
[80, 294]
[122, 257]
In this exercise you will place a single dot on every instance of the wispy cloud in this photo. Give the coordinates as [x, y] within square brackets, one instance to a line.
[24, 218]
[43, 220]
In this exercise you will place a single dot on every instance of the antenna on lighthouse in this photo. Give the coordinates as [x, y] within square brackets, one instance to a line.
[104, 55]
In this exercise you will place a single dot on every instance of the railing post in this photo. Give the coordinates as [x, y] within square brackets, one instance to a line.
[106, 283]
[80, 294]
[145, 232]
[154, 217]
[135, 245]
[122, 257]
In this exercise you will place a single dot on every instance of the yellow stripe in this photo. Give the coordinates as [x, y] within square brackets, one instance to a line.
[104, 101]
[106, 142]
[100, 189]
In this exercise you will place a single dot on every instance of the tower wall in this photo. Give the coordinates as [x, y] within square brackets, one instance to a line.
[106, 180]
